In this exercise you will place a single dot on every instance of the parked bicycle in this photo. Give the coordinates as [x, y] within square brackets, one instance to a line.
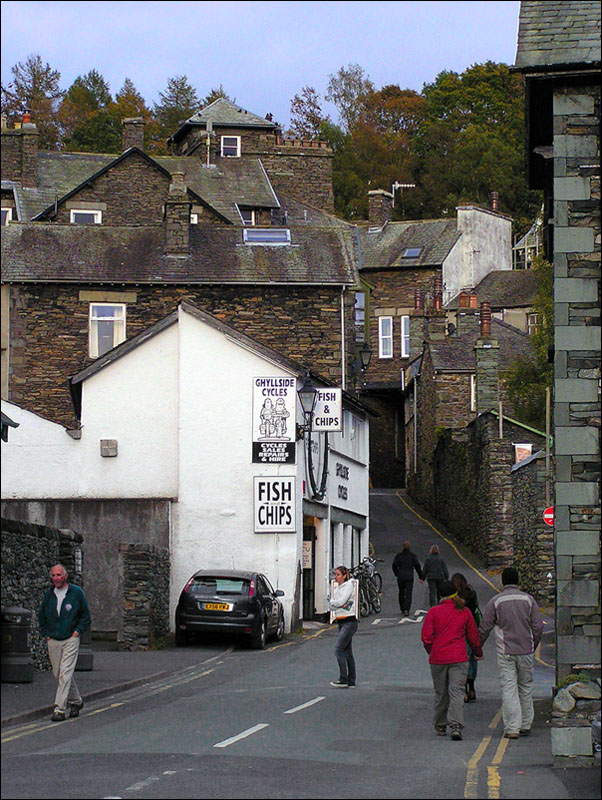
[369, 596]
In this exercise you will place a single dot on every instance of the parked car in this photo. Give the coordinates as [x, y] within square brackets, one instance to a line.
[226, 601]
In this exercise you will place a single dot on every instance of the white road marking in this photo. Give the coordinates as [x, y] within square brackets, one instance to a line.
[243, 735]
[376, 621]
[142, 784]
[413, 621]
[305, 705]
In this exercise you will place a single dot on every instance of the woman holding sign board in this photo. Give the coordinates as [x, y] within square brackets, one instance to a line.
[343, 609]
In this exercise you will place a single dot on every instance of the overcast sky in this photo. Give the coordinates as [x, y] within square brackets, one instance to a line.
[262, 53]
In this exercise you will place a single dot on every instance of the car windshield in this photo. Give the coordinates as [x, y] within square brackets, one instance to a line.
[213, 584]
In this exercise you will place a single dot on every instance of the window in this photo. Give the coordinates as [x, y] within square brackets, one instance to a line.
[359, 316]
[412, 252]
[7, 215]
[83, 217]
[532, 323]
[107, 327]
[473, 393]
[194, 219]
[266, 236]
[247, 215]
[231, 146]
[405, 337]
[385, 337]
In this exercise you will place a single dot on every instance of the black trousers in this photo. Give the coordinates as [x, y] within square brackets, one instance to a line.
[405, 594]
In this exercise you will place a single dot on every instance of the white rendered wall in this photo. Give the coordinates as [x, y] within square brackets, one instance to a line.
[213, 522]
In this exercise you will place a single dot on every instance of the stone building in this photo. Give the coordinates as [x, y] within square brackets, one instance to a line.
[558, 53]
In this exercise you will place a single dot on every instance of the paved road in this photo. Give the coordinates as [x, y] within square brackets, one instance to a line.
[269, 724]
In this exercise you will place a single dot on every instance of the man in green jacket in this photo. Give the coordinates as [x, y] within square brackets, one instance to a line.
[63, 616]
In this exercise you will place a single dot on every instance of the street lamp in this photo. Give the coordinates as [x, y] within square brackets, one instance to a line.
[308, 395]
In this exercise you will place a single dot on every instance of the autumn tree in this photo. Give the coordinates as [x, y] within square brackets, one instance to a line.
[306, 114]
[34, 87]
[347, 89]
[83, 105]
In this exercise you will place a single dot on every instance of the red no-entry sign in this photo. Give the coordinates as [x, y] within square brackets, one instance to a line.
[548, 515]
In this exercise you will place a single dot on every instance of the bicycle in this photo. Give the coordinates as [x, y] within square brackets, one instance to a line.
[370, 564]
[369, 597]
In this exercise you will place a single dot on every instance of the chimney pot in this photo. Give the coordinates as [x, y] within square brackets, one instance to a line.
[473, 301]
[438, 295]
[419, 299]
[463, 299]
[485, 320]
[494, 201]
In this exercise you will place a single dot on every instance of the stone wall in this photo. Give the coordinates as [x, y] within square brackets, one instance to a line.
[302, 322]
[576, 194]
[28, 553]
[533, 538]
[144, 577]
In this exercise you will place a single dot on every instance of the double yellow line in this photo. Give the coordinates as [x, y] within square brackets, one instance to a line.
[471, 787]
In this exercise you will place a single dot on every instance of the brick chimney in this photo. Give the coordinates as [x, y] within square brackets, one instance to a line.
[467, 322]
[487, 364]
[132, 133]
[177, 217]
[20, 152]
[380, 206]
[418, 321]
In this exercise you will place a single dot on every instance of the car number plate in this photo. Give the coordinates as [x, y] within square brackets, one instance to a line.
[216, 606]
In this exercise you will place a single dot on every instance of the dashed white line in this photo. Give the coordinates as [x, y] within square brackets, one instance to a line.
[305, 705]
[142, 784]
[243, 735]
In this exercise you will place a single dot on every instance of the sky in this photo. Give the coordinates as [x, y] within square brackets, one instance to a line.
[262, 53]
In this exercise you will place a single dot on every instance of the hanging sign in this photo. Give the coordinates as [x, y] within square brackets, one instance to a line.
[328, 410]
[274, 504]
[274, 404]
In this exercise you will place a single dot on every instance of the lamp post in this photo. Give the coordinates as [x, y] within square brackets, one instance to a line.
[308, 395]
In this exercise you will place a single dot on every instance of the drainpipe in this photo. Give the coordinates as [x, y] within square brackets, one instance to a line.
[343, 345]
[547, 446]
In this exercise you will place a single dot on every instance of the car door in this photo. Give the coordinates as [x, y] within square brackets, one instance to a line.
[268, 601]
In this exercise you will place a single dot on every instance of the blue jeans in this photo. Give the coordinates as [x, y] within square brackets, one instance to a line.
[344, 652]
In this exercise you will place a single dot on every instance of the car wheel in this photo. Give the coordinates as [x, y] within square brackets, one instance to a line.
[182, 638]
[258, 641]
[279, 635]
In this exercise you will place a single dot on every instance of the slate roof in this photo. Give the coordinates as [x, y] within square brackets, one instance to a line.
[384, 247]
[558, 33]
[457, 354]
[52, 252]
[504, 289]
[222, 113]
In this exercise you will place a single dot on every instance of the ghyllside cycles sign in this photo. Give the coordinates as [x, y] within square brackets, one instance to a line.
[274, 406]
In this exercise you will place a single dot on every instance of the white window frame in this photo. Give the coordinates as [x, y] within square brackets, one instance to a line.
[96, 214]
[473, 392]
[194, 218]
[254, 237]
[93, 348]
[405, 336]
[224, 146]
[9, 215]
[533, 322]
[250, 211]
[385, 340]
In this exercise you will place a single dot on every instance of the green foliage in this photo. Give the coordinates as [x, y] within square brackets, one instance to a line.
[574, 677]
[215, 94]
[347, 89]
[526, 380]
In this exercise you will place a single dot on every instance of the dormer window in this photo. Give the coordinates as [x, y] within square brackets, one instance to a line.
[85, 217]
[231, 146]
[273, 236]
[247, 215]
[412, 252]
[7, 215]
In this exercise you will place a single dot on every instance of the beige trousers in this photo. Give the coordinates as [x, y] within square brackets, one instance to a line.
[63, 657]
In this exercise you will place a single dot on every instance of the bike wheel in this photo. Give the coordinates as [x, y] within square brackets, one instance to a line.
[378, 581]
[375, 599]
[365, 605]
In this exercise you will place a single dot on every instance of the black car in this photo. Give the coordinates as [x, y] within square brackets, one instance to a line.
[227, 601]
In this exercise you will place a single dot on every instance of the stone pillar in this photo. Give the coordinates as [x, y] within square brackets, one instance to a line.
[380, 206]
[132, 133]
[467, 322]
[177, 218]
[487, 364]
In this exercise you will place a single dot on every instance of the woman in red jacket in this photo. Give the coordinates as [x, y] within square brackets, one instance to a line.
[445, 630]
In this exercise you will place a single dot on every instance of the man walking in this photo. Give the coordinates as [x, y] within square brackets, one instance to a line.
[404, 565]
[63, 616]
[518, 629]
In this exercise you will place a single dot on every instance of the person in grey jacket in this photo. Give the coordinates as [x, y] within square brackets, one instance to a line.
[434, 571]
[518, 625]
[342, 606]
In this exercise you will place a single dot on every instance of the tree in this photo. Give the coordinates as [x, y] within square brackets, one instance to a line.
[34, 87]
[306, 114]
[87, 95]
[526, 379]
[179, 101]
[347, 89]
[215, 94]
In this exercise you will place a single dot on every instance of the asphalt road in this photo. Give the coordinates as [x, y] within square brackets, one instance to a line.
[268, 723]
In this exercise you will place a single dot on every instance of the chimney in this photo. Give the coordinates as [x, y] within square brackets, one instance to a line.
[494, 201]
[380, 207]
[463, 299]
[132, 134]
[467, 322]
[473, 301]
[177, 217]
[418, 322]
[487, 364]
[29, 152]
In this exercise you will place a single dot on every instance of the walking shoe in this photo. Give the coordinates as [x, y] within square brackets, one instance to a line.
[508, 735]
[524, 732]
[441, 730]
[58, 716]
[351, 685]
[340, 684]
[75, 709]
[456, 734]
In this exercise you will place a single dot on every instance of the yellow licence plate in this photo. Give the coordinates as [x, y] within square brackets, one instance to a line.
[216, 606]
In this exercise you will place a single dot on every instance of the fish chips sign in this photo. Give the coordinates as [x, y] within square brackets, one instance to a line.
[328, 411]
[274, 405]
[275, 504]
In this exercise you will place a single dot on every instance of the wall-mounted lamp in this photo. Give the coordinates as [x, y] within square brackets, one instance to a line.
[361, 359]
[308, 394]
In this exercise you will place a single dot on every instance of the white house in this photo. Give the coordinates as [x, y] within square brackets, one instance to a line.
[172, 420]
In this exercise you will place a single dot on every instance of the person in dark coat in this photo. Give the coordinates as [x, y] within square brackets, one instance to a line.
[468, 594]
[404, 565]
[434, 571]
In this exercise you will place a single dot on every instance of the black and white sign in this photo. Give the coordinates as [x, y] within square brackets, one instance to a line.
[274, 404]
[274, 504]
[328, 411]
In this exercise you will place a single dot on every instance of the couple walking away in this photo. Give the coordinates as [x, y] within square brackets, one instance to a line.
[434, 572]
[450, 627]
